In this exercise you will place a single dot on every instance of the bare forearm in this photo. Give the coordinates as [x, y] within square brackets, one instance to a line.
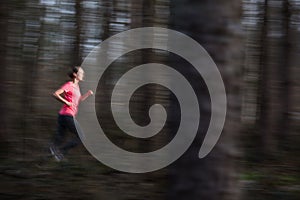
[86, 95]
[61, 99]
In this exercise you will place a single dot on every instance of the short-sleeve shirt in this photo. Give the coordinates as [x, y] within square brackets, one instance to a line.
[71, 94]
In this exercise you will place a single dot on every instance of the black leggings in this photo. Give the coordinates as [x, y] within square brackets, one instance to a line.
[66, 123]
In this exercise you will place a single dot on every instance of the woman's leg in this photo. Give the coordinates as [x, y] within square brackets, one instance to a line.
[60, 131]
[71, 124]
[58, 138]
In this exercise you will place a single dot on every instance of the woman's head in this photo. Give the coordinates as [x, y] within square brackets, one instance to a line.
[77, 73]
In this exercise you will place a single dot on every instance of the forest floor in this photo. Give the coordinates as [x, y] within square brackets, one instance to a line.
[80, 177]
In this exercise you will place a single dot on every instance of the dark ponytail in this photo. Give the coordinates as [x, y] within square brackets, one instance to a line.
[74, 70]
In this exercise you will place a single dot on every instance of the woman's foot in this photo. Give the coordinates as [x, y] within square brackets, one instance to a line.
[56, 153]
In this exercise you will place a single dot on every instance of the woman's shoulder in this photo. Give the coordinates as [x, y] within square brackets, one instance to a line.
[67, 84]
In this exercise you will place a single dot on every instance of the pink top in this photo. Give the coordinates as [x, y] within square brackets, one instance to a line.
[71, 94]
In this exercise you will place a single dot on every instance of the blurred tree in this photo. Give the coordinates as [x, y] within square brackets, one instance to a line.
[77, 60]
[3, 36]
[271, 57]
[215, 25]
[274, 68]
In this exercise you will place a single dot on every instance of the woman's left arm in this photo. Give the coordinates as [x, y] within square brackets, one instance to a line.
[86, 95]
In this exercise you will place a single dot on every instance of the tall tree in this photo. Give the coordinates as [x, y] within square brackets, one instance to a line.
[3, 35]
[77, 42]
[216, 26]
[273, 96]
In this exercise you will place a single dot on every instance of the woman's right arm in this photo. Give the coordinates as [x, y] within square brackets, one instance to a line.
[57, 95]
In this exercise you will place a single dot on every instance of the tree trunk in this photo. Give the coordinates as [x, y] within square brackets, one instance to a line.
[274, 78]
[216, 26]
[77, 43]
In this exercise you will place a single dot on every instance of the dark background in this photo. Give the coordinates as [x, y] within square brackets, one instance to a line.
[256, 46]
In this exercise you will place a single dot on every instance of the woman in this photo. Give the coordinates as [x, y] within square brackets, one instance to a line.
[69, 94]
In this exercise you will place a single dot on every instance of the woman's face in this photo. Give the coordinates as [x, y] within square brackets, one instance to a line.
[80, 74]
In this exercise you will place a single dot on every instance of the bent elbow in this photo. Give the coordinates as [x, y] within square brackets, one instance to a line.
[54, 95]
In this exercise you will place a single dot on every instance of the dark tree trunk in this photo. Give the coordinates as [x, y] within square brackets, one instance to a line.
[77, 43]
[274, 78]
[216, 26]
